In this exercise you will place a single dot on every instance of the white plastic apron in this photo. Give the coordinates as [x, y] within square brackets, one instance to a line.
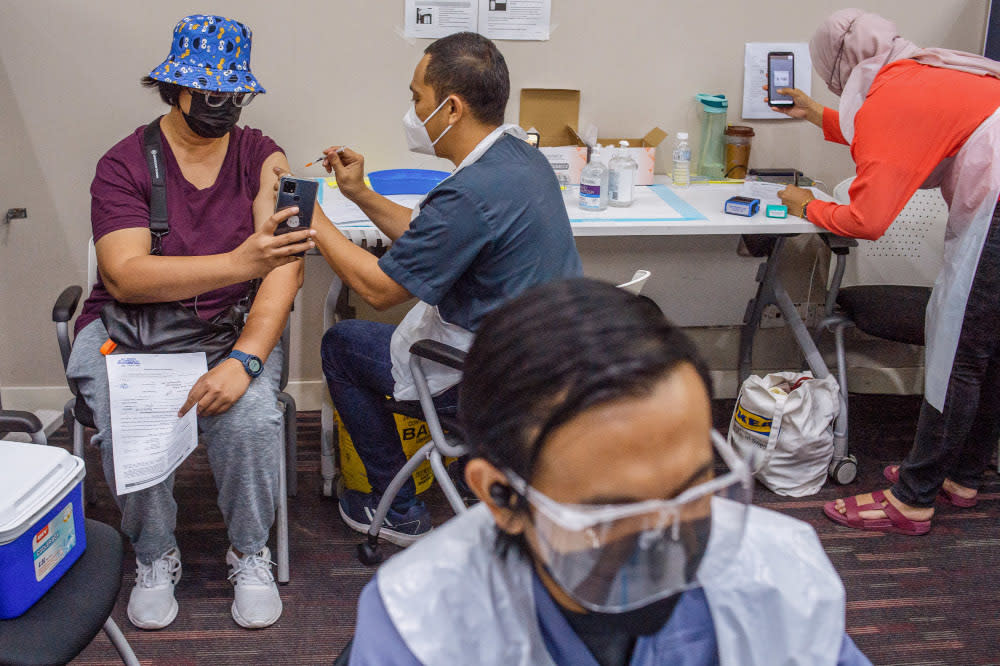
[970, 183]
[971, 186]
[424, 321]
[778, 600]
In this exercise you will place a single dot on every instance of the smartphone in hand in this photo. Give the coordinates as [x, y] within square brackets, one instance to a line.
[299, 192]
[780, 74]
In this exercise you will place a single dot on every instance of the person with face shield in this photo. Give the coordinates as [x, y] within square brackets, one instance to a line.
[496, 226]
[218, 180]
[614, 526]
[921, 117]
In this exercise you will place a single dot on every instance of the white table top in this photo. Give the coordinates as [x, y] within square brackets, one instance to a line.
[706, 199]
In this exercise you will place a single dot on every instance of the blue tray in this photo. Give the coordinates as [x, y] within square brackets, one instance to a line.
[405, 181]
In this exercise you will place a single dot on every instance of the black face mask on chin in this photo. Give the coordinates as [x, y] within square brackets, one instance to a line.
[650, 618]
[211, 122]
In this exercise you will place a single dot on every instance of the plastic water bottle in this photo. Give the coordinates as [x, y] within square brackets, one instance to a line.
[682, 161]
[594, 182]
[622, 170]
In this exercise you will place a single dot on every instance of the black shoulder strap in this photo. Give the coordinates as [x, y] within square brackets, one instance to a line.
[158, 225]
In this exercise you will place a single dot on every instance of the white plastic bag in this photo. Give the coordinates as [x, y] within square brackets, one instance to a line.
[784, 421]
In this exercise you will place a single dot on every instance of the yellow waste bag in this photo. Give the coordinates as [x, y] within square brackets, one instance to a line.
[413, 433]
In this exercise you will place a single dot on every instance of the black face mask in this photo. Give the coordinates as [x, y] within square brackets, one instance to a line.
[653, 616]
[643, 621]
[211, 122]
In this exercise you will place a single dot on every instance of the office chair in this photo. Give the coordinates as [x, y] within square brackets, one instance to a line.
[336, 305]
[447, 436]
[77, 412]
[12, 421]
[882, 287]
[64, 621]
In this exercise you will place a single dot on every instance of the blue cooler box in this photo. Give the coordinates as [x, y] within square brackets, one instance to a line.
[41, 521]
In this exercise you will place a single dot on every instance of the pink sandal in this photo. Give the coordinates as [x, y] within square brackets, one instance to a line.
[891, 473]
[894, 521]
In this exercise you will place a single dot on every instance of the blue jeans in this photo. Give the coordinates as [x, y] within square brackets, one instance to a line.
[358, 373]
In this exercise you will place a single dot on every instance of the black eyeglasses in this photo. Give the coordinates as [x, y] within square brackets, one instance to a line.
[217, 99]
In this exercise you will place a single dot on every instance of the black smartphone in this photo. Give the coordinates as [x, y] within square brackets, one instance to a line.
[299, 192]
[780, 74]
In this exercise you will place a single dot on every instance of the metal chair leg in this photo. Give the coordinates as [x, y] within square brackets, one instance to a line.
[291, 443]
[281, 519]
[79, 445]
[121, 644]
[327, 451]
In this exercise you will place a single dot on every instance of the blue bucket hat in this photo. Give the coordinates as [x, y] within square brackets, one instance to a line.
[209, 53]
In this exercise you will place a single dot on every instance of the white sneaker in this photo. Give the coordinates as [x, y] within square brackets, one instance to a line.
[257, 603]
[151, 604]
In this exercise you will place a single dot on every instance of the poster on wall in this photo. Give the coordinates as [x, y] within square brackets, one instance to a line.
[433, 19]
[755, 76]
[515, 19]
[496, 19]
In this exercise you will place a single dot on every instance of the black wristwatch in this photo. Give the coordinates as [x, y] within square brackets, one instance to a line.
[252, 364]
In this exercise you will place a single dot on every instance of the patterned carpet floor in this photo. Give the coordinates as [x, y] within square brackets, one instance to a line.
[914, 601]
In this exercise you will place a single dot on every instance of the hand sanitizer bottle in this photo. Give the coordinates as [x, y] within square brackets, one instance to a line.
[622, 170]
[594, 182]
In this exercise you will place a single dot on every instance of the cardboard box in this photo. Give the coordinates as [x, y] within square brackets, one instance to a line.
[555, 113]
[643, 151]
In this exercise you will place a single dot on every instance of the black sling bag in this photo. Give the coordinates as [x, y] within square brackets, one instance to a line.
[163, 328]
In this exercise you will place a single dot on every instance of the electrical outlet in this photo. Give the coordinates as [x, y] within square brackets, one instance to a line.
[15, 214]
[809, 313]
[771, 317]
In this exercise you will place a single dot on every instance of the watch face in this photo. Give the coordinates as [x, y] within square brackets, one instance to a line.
[254, 365]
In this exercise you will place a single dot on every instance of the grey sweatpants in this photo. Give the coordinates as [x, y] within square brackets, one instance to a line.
[243, 445]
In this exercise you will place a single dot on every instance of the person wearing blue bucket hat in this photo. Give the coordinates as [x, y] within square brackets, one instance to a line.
[216, 257]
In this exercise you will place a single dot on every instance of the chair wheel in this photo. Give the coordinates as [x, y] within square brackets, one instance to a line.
[369, 553]
[845, 470]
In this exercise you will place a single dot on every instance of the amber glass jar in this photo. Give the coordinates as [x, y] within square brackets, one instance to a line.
[737, 139]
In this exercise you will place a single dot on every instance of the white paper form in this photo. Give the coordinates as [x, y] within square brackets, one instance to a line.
[515, 19]
[768, 192]
[433, 19]
[755, 76]
[148, 440]
[342, 210]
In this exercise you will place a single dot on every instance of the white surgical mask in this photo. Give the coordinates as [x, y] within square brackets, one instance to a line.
[417, 138]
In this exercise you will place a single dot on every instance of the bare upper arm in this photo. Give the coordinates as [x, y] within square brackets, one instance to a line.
[115, 249]
[263, 204]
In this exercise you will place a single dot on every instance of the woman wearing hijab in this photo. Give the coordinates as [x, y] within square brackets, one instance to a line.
[917, 118]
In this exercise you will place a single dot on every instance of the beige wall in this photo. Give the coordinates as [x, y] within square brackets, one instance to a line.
[337, 71]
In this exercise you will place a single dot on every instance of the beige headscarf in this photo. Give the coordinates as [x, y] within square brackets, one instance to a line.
[852, 45]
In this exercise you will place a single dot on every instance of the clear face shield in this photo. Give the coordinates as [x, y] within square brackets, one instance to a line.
[616, 558]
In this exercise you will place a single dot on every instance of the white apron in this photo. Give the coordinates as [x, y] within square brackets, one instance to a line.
[777, 600]
[970, 183]
[424, 321]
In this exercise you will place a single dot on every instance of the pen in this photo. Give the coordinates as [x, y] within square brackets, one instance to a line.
[323, 157]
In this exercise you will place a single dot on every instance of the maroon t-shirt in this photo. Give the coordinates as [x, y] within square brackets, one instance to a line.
[210, 221]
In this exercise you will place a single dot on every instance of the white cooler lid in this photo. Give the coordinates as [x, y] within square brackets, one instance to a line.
[31, 475]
